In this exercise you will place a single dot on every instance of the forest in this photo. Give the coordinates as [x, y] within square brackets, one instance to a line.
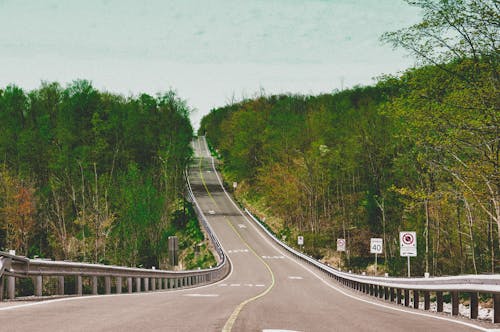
[93, 176]
[418, 151]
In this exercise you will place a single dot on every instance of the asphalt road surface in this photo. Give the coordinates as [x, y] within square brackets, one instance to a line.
[266, 290]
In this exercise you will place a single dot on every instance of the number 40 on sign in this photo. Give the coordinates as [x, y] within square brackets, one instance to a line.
[376, 245]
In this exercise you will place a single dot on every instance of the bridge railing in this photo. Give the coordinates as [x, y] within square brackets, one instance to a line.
[410, 291]
[105, 279]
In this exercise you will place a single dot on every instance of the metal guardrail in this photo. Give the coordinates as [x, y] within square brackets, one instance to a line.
[398, 289]
[14, 267]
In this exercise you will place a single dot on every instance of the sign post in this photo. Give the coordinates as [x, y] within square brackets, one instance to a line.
[342, 248]
[408, 246]
[376, 245]
[300, 241]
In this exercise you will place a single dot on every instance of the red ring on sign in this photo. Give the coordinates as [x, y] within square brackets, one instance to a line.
[408, 238]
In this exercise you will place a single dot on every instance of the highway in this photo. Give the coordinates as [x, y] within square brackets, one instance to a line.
[266, 290]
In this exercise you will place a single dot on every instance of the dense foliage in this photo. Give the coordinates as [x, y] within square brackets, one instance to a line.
[88, 175]
[416, 152]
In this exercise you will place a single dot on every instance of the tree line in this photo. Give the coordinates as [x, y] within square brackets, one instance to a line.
[419, 151]
[93, 176]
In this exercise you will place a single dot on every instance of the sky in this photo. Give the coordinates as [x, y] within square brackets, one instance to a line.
[210, 52]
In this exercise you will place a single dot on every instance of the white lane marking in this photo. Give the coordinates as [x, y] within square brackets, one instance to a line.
[249, 285]
[273, 257]
[211, 212]
[201, 295]
[275, 330]
[259, 285]
[295, 278]
[242, 226]
[336, 288]
[223, 285]
[235, 285]
[234, 251]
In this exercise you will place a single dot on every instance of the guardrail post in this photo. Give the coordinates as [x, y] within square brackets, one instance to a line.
[473, 306]
[427, 300]
[415, 299]
[94, 285]
[38, 286]
[79, 288]
[60, 285]
[380, 291]
[496, 308]
[129, 284]
[118, 284]
[153, 284]
[138, 285]
[407, 297]
[398, 296]
[454, 303]
[439, 301]
[11, 287]
[393, 294]
[386, 293]
[146, 284]
[107, 285]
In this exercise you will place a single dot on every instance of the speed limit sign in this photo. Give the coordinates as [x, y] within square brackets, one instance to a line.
[376, 245]
[408, 244]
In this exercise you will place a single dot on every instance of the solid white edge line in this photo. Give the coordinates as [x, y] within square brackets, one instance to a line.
[281, 251]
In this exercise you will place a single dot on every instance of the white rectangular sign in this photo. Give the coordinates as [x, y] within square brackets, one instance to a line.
[376, 245]
[408, 244]
[300, 240]
[340, 244]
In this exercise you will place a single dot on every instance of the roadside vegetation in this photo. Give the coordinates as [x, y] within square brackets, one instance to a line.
[93, 176]
[414, 152]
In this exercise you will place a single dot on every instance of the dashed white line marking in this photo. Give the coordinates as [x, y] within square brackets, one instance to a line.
[211, 212]
[222, 285]
[201, 295]
[249, 285]
[259, 285]
[273, 257]
[295, 278]
[234, 251]
[235, 285]
[242, 226]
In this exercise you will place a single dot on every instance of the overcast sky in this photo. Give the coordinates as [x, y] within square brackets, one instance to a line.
[210, 51]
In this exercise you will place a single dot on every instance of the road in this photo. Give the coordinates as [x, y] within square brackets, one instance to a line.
[266, 290]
